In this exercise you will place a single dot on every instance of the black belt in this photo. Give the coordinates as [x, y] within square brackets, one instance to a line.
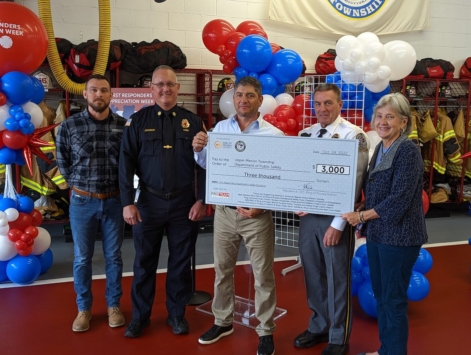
[164, 195]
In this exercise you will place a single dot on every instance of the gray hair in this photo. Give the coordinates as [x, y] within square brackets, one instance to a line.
[329, 87]
[397, 103]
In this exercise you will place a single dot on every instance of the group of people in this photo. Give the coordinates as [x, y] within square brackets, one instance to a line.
[99, 152]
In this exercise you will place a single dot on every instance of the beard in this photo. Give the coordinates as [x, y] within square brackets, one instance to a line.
[99, 105]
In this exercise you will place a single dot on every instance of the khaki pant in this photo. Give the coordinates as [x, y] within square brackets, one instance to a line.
[258, 235]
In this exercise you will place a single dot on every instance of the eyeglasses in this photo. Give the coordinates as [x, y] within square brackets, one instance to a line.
[161, 85]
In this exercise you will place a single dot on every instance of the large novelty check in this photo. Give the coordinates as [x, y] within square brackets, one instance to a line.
[281, 173]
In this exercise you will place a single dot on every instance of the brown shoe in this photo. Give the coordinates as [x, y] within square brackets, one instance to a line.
[115, 317]
[82, 322]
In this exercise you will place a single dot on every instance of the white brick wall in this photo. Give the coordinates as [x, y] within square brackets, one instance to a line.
[182, 21]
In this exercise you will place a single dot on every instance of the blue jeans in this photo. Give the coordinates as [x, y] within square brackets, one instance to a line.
[86, 213]
[391, 269]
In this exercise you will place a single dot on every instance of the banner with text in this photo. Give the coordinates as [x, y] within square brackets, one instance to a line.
[353, 16]
[126, 101]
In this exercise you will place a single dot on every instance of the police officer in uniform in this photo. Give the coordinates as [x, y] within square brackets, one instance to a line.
[325, 243]
[157, 147]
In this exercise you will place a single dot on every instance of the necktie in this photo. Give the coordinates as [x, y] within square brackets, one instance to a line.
[168, 154]
[322, 131]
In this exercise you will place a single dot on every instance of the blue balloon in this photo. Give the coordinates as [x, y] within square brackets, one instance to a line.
[419, 287]
[367, 299]
[365, 273]
[379, 95]
[7, 155]
[24, 122]
[17, 87]
[25, 204]
[357, 264]
[45, 259]
[253, 74]
[38, 90]
[20, 159]
[11, 124]
[269, 84]
[23, 270]
[240, 72]
[254, 53]
[6, 203]
[29, 129]
[280, 89]
[424, 262]
[361, 251]
[355, 288]
[286, 66]
[19, 116]
[368, 114]
[14, 109]
[364, 259]
[329, 79]
[356, 278]
[3, 271]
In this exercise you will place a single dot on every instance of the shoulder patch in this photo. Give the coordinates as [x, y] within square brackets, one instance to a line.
[362, 144]
[128, 122]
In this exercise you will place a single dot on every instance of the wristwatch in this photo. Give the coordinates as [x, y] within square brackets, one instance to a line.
[201, 200]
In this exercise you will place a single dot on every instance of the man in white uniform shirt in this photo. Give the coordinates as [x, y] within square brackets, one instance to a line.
[326, 244]
[234, 224]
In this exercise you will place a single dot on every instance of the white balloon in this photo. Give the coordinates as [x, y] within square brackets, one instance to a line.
[367, 37]
[370, 77]
[35, 112]
[226, 103]
[359, 242]
[400, 58]
[4, 230]
[42, 242]
[383, 72]
[374, 50]
[356, 54]
[360, 67]
[345, 45]
[377, 86]
[4, 114]
[3, 222]
[374, 138]
[284, 99]
[2, 214]
[350, 77]
[11, 214]
[7, 248]
[338, 63]
[373, 64]
[268, 105]
[348, 65]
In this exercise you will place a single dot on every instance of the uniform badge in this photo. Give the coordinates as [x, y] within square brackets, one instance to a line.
[159, 113]
[149, 130]
[185, 123]
[362, 144]
[336, 135]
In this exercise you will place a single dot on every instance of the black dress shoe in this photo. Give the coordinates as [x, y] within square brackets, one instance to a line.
[336, 349]
[307, 339]
[179, 325]
[134, 329]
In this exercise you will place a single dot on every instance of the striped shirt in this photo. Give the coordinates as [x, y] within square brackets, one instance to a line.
[88, 151]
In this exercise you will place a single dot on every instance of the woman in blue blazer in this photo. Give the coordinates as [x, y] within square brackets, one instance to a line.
[393, 218]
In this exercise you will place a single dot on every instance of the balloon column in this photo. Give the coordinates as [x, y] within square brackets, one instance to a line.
[245, 50]
[418, 289]
[24, 246]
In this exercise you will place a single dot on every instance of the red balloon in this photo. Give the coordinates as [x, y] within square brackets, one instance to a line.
[226, 68]
[37, 218]
[281, 126]
[259, 32]
[366, 126]
[286, 114]
[220, 49]
[232, 61]
[291, 133]
[425, 202]
[291, 124]
[14, 235]
[227, 54]
[25, 252]
[267, 116]
[22, 222]
[275, 48]
[301, 104]
[3, 99]
[24, 46]
[15, 139]
[32, 231]
[281, 108]
[26, 238]
[222, 60]
[247, 27]
[216, 33]
[20, 245]
[234, 40]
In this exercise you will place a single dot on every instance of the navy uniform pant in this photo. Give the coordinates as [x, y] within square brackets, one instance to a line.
[173, 217]
[327, 276]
